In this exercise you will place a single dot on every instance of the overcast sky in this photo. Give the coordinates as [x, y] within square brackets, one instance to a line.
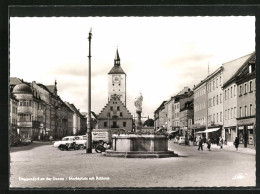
[160, 55]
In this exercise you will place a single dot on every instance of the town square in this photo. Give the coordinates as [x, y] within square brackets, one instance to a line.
[103, 110]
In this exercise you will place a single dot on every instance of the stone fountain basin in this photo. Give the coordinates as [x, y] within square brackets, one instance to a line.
[141, 146]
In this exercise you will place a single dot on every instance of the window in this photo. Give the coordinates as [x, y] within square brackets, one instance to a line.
[124, 124]
[121, 114]
[214, 101]
[217, 117]
[118, 108]
[213, 118]
[240, 112]
[235, 112]
[105, 124]
[213, 85]
[245, 88]
[250, 86]
[220, 117]
[228, 94]
[231, 113]
[251, 110]
[217, 83]
[220, 80]
[231, 92]
[111, 108]
[220, 98]
[225, 94]
[245, 111]
[217, 99]
[240, 90]
[108, 114]
[225, 114]
[235, 90]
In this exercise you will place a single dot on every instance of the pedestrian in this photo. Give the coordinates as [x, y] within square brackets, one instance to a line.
[236, 143]
[209, 144]
[200, 144]
[221, 141]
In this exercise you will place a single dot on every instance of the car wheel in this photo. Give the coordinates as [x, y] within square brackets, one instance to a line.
[81, 146]
[61, 148]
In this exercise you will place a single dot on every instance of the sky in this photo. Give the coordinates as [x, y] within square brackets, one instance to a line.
[160, 55]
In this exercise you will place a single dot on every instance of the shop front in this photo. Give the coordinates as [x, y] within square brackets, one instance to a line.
[246, 135]
[230, 134]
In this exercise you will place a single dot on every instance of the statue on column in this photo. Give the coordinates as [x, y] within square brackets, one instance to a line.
[138, 104]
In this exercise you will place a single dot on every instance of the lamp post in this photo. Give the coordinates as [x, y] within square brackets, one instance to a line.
[89, 138]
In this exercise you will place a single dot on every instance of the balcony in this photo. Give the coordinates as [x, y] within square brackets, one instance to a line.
[25, 109]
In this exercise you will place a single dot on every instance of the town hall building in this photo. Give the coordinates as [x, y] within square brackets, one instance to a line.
[115, 115]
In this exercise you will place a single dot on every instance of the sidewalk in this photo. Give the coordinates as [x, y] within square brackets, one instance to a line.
[233, 149]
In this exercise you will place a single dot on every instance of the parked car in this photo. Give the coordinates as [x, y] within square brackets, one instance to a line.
[68, 139]
[26, 141]
[181, 140]
[81, 141]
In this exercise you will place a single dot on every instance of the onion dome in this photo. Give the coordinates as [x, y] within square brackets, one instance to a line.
[22, 89]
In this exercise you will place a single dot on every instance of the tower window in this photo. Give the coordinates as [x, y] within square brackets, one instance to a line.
[105, 124]
[111, 108]
[118, 107]
[124, 124]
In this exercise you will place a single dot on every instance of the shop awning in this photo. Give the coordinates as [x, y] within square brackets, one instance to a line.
[208, 130]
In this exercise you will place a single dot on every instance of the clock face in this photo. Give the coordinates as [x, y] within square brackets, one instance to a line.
[116, 79]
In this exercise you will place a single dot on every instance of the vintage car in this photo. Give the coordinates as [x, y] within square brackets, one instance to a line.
[67, 139]
[81, 141]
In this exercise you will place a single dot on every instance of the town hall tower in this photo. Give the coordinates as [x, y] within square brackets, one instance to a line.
[117, 81]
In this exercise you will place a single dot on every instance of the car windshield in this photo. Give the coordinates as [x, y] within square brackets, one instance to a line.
[65, 139]
[77, 138]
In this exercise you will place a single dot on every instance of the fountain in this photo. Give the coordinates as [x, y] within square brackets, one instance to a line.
[140, 145]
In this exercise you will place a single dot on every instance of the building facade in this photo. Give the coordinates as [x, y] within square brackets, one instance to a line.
[115, 115]
[246, 103]
[160, 116]
[41, 113]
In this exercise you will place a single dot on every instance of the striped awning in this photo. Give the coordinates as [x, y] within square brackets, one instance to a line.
[209, 130]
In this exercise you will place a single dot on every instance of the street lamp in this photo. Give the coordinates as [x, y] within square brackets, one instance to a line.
[89, 138]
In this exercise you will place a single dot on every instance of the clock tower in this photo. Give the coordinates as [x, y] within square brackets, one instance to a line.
[117, 81]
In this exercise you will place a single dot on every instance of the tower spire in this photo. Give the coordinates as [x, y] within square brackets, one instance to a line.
[117, 58]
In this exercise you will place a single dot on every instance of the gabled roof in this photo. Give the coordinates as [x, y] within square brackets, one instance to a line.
[161, 106]
[110, 103]
[116, 70]
[51, 88]
[245, 61]
[15, 81]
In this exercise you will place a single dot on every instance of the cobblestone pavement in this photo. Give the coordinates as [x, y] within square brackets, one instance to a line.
[40, 165]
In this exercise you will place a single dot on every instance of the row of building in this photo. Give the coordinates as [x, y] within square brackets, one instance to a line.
[222, 104]
[38, 112]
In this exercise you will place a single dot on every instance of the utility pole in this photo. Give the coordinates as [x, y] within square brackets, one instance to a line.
[89, 136]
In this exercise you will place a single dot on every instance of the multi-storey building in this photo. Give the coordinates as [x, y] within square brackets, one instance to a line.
[179, 104]
[169, 107]
[246, 103]
[186, 118]
[13, 117]
[41, 112]
[214, 111]
[160, 116]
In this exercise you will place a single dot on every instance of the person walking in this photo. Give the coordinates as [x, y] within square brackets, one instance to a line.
[221, 141]
[200, 144]
[209, 144]
[236, 143]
